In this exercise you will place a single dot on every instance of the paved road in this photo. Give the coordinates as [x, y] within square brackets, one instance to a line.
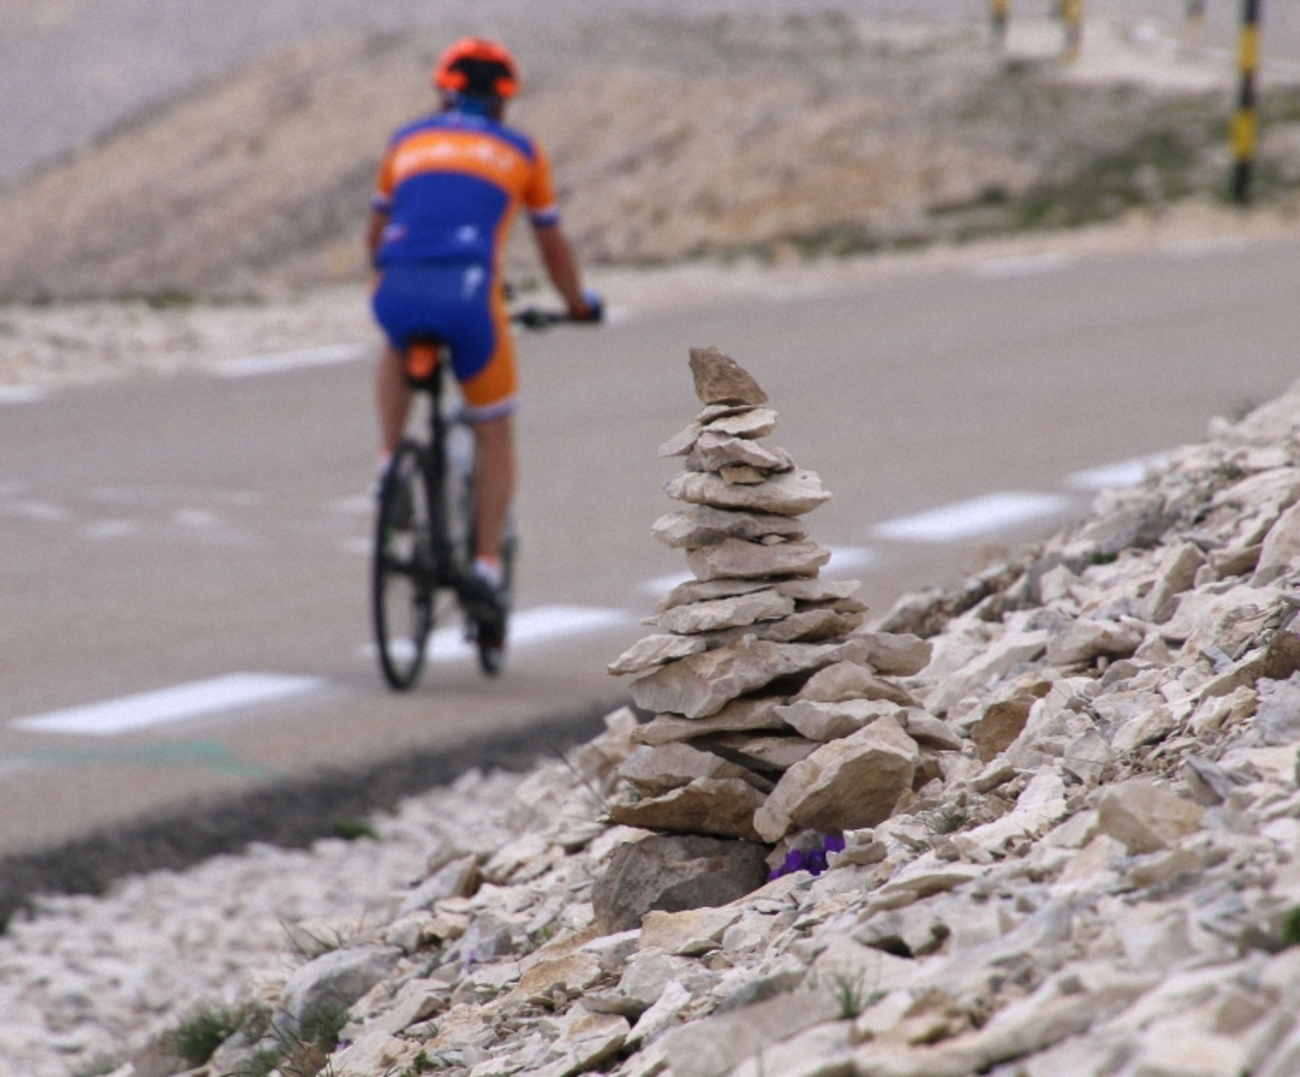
[170, 533]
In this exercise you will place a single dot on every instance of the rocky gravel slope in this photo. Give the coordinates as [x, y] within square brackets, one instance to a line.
[776, 130]
[1093, 873]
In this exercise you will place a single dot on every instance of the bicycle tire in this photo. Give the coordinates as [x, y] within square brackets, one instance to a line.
[404, 568]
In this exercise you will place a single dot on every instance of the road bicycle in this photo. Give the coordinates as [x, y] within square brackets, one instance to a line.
[424, 537]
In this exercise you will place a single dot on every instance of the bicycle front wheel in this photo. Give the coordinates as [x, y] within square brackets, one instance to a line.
[404, 577]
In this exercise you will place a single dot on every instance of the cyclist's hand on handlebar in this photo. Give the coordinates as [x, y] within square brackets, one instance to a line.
[592, 308]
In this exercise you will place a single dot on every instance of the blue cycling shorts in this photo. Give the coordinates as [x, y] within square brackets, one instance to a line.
[461, 306]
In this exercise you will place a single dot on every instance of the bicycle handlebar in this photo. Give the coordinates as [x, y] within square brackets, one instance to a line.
[536, 318]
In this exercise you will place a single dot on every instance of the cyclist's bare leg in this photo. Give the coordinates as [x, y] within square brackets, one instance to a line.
[392, 397]
[494, 483]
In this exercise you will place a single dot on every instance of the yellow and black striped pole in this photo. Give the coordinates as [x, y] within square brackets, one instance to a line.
[999, 14]
[1245, 124]
[1072, 16]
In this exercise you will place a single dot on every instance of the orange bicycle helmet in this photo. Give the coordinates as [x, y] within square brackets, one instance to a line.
[477, 67]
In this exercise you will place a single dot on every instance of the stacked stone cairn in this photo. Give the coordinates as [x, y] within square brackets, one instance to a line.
[775, 717]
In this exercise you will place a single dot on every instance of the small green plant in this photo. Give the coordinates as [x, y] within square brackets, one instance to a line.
[944, 821]
[1291, 927]
[310, 944]
[420, 1065]
[198, 1035]
[353, 829]
[851, 994]
[301, 1053]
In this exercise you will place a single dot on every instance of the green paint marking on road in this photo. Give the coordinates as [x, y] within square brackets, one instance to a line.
[207, 754]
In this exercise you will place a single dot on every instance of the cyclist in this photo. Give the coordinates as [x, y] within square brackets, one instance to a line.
[448, 190]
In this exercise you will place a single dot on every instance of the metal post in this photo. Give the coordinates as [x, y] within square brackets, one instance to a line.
[999, 12]
[1195, 10]
[1245, 124]
[1072, 14]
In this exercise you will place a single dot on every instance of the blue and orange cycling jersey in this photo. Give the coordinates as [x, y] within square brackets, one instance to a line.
[449, 187]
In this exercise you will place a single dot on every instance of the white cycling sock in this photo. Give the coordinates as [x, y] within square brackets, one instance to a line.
[489, 569]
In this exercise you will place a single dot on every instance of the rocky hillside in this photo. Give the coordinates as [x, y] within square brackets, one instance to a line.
[1089, 869]
[672, 136]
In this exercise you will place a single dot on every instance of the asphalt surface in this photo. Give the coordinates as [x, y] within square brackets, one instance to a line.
[201, 534]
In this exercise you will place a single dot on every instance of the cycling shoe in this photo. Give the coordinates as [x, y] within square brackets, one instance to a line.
[485, 605]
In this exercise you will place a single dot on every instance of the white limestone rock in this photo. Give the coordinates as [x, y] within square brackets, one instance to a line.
[734, 611]
[790, 493]
[750, 423]
[764, 753]
[846, 784]
[750, 714]
[830, 721]
[734, 558]
[897, 654]
[703, 684]
[1147, 816]
[715, 450]
[655, 650]
[846, 680]
[658, 770]
[721, 807]
[703, 525]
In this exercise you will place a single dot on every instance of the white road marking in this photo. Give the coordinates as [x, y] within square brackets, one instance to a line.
[111, 529]
[276, 364]
[37, 510]
[661, 585]
[22, 394]
[1119, 475]
[1029, 265]
[199, 519]
[851, 558]
[149, 709]
[969, 519]
[354, 505]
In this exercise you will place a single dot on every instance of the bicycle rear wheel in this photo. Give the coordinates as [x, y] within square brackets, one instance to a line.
[490, 641]
[404, 568]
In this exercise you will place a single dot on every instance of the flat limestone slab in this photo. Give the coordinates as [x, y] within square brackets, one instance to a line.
[703, 525]
[735, 558]
[653, 771]
[721, 807]
[714, 450]
[791, 493]
[695, 591]
[735, 611]
[819, 590]
[702, 684]
[654, 651]
[752, 423]
[738, 716]
[809, 626]
[831, 721]
[764, 753]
